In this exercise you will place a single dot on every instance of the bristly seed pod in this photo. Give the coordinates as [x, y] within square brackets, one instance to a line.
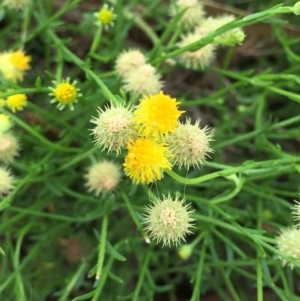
[169, 220]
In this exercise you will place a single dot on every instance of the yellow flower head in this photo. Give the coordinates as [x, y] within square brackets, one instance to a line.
[65, 94]
[14, 64]
[16, 102]
[157, 115]
[146, 161]
[105, 16]
[20, 60]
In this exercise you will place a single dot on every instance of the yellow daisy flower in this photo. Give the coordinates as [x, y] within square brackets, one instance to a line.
[146, 161]
[65, 93]
[157, 115]
[14, 64]
[20, 60]
[105, 16]
[16, 102]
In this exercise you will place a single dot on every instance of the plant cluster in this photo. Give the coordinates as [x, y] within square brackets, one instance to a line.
[186, 171]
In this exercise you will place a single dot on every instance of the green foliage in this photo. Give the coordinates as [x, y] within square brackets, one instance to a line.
[58, 242]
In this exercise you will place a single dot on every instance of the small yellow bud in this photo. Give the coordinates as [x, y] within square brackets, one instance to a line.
[296, 8]
[185, 251]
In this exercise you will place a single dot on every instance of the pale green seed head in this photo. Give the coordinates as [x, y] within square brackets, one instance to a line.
[168, 220]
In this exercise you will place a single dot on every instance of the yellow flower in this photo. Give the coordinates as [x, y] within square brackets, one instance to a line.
[16, 102]
[146, 161]
[105, 16]
[20, 60]
[157, 115]
[14, 64]
[65, 93]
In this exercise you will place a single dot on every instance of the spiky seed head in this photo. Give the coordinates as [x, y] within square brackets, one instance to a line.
[231, 37]
[6, 181]
[9, 147]
[193, 15]
[129, 61]
[288, 242]
[168, 220]
[143, 80]
[189, 145]
[114, 128]
[103, 177]
[202, 57]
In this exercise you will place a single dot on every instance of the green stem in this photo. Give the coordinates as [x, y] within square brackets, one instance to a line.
[96, 40]
[231, 170]
[102, 246]
[24, 91]
[83, 66]
[142, 275]
[248, 20]
[73, 281]
[239, 182]
[142, 25]
[41, 138]
[133, 215]
[259, 274]
[197, 284]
